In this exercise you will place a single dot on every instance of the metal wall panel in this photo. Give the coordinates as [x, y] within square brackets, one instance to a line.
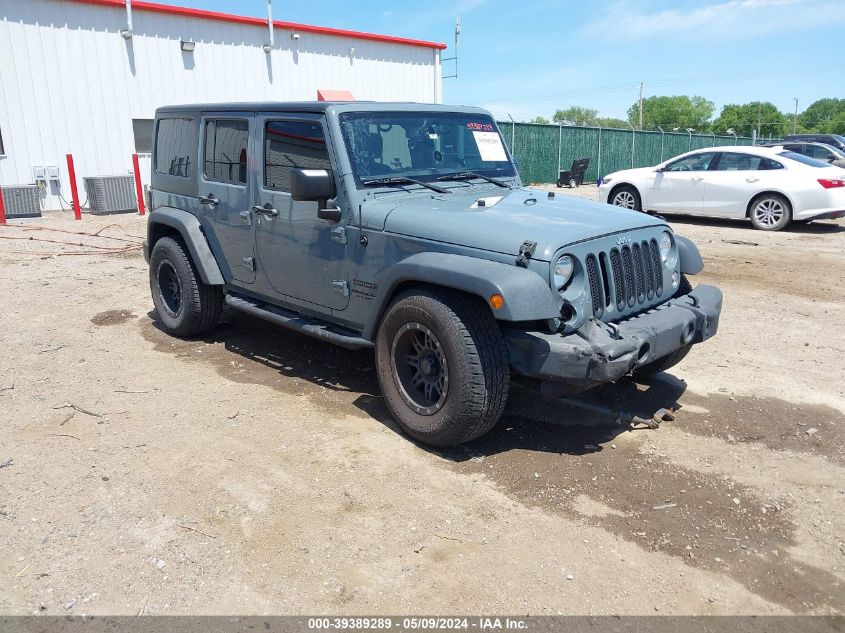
[69, 83]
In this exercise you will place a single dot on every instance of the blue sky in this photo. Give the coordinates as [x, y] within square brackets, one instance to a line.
[531, 57]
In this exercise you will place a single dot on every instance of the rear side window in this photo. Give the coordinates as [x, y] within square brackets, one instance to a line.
[288, 144]
[818, 152]
[806, 160]
[173, 147]
[737, 161]
[226, 150]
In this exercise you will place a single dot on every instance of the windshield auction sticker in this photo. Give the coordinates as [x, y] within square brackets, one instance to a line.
[490, 146]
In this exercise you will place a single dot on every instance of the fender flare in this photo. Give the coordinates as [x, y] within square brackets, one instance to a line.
[689, 256]
[528, 297]
[189, 227]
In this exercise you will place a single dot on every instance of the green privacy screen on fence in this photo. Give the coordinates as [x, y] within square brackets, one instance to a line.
[539, 149]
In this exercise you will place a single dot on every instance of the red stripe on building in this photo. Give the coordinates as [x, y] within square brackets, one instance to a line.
[155, 7]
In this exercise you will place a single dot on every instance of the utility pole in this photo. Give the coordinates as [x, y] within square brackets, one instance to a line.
[759, 106]
[795, 120]
[454, 58]
[641, 106]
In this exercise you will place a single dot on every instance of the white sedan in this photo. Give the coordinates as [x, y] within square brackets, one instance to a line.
[769, 186]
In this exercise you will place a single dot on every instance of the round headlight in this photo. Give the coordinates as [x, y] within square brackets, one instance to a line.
[665, 245]
[564, 267]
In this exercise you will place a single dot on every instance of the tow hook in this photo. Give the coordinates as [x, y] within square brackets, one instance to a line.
[625, 418]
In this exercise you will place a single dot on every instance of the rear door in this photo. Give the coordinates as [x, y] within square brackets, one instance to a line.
[680, 186]
[299, 255]
[736, 178]
[224, 190]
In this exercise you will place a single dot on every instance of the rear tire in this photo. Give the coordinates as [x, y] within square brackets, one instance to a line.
[185, 305]
[670, 360]
[442, 366]
[626, 197]
[770, 212]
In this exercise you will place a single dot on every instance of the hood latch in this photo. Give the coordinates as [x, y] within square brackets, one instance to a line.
[526, 251]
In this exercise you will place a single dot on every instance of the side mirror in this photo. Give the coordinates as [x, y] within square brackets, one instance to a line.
[311, 185]
[660, 170]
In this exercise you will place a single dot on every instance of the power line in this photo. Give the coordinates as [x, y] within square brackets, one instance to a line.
[629, 85]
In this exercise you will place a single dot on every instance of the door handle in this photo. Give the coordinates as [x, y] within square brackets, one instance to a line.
[267, 210]
[751, 179]
[697, 179]
[209, 199]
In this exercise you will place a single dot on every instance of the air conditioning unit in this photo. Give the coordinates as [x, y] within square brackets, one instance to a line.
[21, 201]
[111, 194]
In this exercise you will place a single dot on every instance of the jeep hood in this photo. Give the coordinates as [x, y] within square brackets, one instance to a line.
[503, 221]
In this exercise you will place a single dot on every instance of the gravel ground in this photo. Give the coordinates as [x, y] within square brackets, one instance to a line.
[255, 471]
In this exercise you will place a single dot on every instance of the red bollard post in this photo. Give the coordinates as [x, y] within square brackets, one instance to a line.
[71, 173]
[2, 209]
[139, 189]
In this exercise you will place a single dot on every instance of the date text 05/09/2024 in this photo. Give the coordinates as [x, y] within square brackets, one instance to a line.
[480, 623]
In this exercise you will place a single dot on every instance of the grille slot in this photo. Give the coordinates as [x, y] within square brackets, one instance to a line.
[624, 278]
[658, 269]
[595, 286]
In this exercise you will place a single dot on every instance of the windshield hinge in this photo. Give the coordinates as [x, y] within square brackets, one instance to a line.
[525, 253]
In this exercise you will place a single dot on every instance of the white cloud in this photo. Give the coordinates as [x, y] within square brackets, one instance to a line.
[732, 18]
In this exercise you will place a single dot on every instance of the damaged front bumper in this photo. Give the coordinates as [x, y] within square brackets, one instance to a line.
[600, 352]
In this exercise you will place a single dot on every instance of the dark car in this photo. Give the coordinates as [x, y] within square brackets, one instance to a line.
[835, 140]
[820, 151]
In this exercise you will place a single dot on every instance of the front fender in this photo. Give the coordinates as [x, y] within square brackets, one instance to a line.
[190, 229]
[527, 295]
[690, 258]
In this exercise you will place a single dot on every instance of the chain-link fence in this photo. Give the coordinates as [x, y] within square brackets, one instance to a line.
[542, 150]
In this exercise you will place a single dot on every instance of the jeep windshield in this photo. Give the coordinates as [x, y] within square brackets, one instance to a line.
[425, 146]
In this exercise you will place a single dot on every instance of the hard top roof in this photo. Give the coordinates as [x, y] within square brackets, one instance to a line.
[317, 106]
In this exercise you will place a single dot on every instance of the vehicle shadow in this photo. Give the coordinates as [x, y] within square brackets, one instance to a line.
[817, 227]
[560, 426]
[529, 422]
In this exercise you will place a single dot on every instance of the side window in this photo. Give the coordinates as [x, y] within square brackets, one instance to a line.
[696, 162]
[818, 152]
[735, 161]
[143, 131]
[173, 147]
[287, 144]
[224, 157]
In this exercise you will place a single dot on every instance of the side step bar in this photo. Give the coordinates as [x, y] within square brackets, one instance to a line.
[298, 323]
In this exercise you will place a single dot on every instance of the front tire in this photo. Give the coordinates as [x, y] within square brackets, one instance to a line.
[770, 212]
[442, 366]
[185, 305]
[626, 197]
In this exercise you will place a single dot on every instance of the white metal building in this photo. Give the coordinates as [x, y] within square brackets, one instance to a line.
[75, 80]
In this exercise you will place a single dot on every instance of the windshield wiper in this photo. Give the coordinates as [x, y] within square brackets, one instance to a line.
[403, 180]
[467, 175]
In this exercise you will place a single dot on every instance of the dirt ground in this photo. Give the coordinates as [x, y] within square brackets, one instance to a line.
[256, 471]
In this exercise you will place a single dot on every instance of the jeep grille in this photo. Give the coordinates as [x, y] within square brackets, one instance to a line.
[628, 277]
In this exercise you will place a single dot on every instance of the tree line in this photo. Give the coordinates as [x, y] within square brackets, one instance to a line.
[679, 113]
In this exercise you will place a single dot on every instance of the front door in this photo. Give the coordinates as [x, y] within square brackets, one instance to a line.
[680, 186]
[224, 190]
[300, 255]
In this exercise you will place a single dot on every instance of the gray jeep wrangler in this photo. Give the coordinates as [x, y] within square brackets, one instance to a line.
[405, 228]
